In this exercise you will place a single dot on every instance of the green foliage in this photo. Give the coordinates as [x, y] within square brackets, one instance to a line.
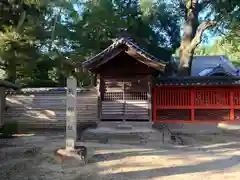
[228, 45]
[44, 41]
[8, 129]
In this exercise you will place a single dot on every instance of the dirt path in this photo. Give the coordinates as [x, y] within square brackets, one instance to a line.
[32, 158]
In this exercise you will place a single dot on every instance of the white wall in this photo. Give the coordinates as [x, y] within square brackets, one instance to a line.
[49, 105]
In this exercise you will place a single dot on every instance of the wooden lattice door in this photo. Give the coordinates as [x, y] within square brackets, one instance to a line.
[125, 99]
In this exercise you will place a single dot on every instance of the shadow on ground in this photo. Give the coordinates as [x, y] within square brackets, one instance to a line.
[33, 158]
[216, 165]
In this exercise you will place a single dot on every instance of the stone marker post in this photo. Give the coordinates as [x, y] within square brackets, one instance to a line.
[71, 112]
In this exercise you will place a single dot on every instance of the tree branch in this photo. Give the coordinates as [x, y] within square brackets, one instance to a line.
[3, 65]
[203, 4]
[21, 21]
[198, 37]
[53, 33]
[183, 8]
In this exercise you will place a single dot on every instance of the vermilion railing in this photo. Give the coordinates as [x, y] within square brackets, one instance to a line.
[196, 104]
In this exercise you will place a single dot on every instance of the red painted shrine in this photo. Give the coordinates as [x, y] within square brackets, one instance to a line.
[194, 100]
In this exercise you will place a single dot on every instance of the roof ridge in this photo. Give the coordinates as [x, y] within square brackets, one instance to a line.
[220, 55]
[128, 42]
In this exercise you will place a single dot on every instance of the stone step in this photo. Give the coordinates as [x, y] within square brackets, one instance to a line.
[125, 124]
[134, 135]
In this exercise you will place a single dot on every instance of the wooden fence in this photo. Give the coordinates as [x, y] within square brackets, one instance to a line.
[205, 104]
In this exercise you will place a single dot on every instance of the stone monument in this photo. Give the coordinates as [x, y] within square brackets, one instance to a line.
[71, 150]
[71, 121]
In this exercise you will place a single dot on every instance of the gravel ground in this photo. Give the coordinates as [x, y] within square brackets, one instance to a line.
[33, 158]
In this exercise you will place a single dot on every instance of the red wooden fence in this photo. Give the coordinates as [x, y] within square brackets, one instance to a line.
[202, 104]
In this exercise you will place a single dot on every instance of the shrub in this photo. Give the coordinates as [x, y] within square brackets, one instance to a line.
[8, 129]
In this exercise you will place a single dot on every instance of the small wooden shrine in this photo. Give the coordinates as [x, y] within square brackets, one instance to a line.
[124, 75]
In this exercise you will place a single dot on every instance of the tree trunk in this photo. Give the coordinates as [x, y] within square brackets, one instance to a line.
[11, 72]
[192, 34]
[189, 32]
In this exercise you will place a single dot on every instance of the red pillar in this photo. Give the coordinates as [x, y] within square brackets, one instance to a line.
[155, 89]
[231, 106]
[193, 99]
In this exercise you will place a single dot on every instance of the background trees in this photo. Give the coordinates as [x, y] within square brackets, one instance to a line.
[42, 41]
[199, 16]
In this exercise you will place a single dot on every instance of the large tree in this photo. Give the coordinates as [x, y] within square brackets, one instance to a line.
[147, 22]
[35, 38]
[195, 26]
[19, 32]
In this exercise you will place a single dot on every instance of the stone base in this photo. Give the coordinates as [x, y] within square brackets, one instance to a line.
[124, 126]
[79, 154]
[113, 135]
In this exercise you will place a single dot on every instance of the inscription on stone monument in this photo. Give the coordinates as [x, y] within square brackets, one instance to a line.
[71, 122]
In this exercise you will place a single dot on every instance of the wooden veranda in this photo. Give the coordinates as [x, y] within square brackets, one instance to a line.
[197, 100]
